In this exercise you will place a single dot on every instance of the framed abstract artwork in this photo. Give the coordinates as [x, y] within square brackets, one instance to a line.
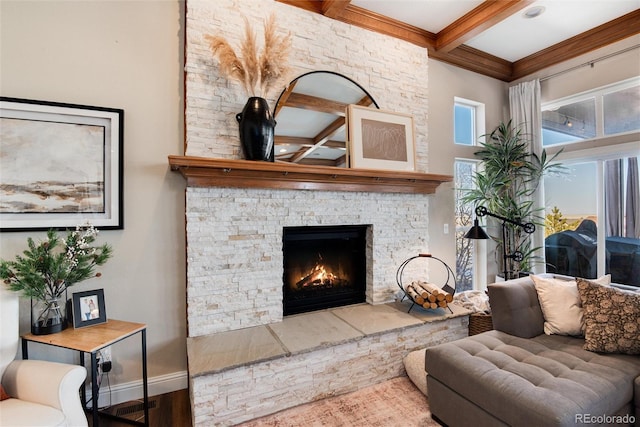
[379, 139]
[61, 165]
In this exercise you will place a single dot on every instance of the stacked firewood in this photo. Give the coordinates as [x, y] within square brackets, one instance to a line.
[428, 295]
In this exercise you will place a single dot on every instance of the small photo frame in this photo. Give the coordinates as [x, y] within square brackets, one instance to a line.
[88, 308]
[380, 139]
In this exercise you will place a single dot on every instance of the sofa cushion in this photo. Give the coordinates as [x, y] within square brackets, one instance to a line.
[611, 317]
[546, 380]
[560, 304]
[515, 308]
[15, 413]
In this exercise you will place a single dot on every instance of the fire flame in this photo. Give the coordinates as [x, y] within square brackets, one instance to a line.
[318, 275]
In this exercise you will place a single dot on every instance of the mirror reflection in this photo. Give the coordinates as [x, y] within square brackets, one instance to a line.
[310, 116]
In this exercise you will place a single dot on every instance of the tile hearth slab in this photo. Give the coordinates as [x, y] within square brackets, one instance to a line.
[225, 350]
[373, 319]
[308, 331]
[430, 315]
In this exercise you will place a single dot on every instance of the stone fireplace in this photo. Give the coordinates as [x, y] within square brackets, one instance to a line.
[235, 233]
[235, 237]
[324, 267]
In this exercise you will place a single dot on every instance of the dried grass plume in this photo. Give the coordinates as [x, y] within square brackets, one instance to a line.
[257, 73]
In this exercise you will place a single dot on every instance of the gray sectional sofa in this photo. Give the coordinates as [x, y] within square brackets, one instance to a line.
[517, 375]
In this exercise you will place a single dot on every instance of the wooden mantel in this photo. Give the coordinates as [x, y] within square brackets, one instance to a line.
[211, 172]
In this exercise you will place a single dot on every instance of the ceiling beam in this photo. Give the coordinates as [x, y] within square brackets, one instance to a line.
[485, 16]
[475, 60]
[447, 46]
[613, 31]
[334, 8]
[372, 21]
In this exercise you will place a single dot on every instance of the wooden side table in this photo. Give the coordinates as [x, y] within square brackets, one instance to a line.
[90, 340]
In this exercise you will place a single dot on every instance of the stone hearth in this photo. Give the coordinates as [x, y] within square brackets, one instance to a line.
[244, 374]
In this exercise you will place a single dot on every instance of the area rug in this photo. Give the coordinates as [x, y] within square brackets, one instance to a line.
[392, 403]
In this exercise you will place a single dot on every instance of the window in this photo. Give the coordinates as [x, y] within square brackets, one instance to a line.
[605, 111]
[592, 214]
[463, 175]
[468, 120]
[571, 221]
[621, 111]
[569, 123]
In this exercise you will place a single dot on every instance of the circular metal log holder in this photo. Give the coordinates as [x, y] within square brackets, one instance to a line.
[449, 286]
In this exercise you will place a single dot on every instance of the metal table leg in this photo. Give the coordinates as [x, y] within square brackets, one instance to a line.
[94, 390]
[144, 377]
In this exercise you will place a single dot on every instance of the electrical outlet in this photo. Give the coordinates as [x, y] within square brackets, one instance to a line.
[106, 354]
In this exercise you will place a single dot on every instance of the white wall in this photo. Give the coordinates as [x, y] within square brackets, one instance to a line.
[445, 83]
[120, 54]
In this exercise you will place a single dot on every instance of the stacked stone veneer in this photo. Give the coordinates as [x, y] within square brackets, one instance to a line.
[241, 394]
[234, 236]
[235, 266]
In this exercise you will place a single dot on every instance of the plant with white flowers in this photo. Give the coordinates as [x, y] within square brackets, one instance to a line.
[48, 268]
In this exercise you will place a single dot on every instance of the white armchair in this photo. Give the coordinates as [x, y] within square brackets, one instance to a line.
[41, 393]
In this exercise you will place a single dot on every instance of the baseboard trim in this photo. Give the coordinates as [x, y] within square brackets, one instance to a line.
[125, 392]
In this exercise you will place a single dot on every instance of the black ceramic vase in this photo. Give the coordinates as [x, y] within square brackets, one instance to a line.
[256, 130]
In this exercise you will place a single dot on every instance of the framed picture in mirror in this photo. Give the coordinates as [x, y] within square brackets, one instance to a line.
[379, 139]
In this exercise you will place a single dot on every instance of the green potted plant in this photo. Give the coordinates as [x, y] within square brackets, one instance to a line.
[47, 269]
[507, 177]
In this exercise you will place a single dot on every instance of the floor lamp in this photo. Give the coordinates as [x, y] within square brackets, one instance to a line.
[476, 232]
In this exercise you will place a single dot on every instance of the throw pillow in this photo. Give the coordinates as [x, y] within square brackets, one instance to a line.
[560, 304]
[414, 365]
[611, 318]
[3, 394]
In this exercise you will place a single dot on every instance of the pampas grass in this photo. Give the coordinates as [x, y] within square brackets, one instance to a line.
[258, 74]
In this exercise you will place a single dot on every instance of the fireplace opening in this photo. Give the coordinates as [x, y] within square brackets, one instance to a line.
[324, 267]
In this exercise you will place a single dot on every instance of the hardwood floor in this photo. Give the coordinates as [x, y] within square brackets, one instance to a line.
[166, 410]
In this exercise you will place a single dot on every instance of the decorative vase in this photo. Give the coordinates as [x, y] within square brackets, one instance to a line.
[48, 316]
[256, 130]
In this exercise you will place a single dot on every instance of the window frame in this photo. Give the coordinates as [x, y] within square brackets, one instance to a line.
[597, 94]
[465, 153]
[478, 117]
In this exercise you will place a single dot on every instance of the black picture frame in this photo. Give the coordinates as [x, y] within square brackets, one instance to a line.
[88, 308]
[62, 165]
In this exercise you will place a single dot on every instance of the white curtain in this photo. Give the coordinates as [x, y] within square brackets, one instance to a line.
[632, 224]
[526, 113]
[613, 197]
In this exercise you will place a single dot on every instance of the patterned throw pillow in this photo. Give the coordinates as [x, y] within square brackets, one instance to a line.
[611, 318]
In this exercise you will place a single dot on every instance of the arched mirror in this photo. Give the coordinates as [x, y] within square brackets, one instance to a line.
[310, 116]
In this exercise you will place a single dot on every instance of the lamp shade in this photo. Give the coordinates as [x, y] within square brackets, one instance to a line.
[476, 232]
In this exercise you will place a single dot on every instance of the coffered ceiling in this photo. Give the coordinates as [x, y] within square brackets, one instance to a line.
[504, 39]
